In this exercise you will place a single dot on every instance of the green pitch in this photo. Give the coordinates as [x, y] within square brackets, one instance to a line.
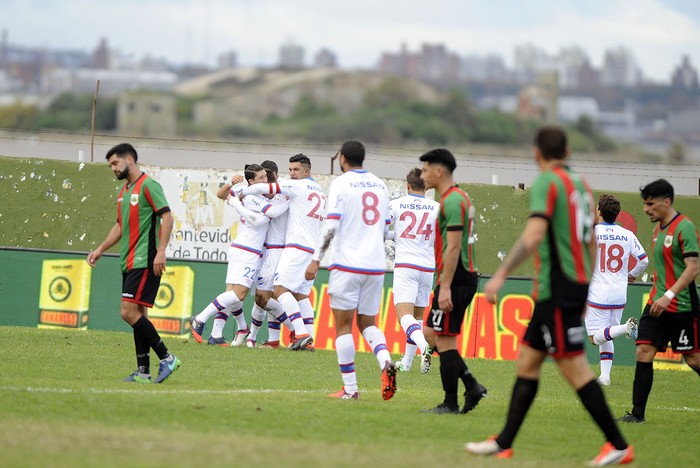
[62, 404]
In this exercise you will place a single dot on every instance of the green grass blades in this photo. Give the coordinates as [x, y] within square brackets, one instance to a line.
[62, 403]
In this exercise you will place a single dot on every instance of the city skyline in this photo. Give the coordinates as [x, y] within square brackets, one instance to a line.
[657, 32]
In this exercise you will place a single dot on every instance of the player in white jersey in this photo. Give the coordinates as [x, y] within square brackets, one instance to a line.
[244, 260]
[307, 209]
[265, 304]
[358, 217]
[607, 293]
[415, 223]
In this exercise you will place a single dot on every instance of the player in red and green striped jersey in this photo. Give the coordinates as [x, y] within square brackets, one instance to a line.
[560, 231]
[673, 311]
[457, 281]
[144, 224]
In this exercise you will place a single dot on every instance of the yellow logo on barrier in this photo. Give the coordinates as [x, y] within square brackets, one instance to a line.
[64, 297]
[173, 304]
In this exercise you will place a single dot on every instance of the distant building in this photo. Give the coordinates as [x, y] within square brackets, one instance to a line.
[489, 68]
[146, 114]
[227, 60]
[291, 57]
[325, 58]
[685, 75]
[112, 82]
[101, 57]
[620, 69]
[433, 63]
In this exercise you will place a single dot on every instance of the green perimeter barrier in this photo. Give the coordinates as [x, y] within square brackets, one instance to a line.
[58, 289]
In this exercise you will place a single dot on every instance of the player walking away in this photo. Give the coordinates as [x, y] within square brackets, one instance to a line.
[245, 254]
[415, 223]
[357, 220]
[560, 230]
[456, 283]
[672, 313]
[607, 293]
[265, 304]
[307, 208]
[144, 224]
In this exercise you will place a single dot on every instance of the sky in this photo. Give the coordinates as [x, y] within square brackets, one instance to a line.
[658, 32]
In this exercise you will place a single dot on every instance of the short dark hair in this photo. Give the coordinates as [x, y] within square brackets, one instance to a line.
[271, 175]
[414, 180]
[552, 142]
[252, 169]
[609, 207]
[354, 152]
[660, 188]
[122, 150]
[440, 156]
[300, 158]
[267, 164]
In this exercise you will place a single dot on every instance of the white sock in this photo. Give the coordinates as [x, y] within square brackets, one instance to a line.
[345, 349]
[257, 316]
[291, 307]
[307, 314]
[607, 351]
[413, 331]
[377, 341]
[240, 319]
[274, 329]
[409, 354]
[275, 309]
[217, 330]
[610, 333]
[226, 300]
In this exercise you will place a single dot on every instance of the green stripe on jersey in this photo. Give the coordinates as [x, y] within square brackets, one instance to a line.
[565, 199]
[456, 210]
[669, 246]
[136, 211]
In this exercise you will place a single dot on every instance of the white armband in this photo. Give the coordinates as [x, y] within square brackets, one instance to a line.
[669, 294]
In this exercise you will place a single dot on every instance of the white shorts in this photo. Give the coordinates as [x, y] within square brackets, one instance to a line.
[291, 271]
[266, 275]
[242, 267]
[350, 291]
[601, 318]
[413, 286]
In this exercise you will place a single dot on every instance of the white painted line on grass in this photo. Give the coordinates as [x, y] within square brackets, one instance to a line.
[142, 391]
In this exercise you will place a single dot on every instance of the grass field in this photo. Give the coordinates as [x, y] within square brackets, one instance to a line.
[62, 404]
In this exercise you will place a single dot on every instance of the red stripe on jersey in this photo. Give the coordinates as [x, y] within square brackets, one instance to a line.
[142, 283]
[669, 266]
[576, 245]
[551, 200]
[147, 193]
[134, 224]
[559, 339]
[119, 204]
[654, 239]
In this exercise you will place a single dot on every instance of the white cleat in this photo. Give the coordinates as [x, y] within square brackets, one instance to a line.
[240, 337]
[631, 331]
[426, 359]
[400, 366]
[604, 382]
[250, 343]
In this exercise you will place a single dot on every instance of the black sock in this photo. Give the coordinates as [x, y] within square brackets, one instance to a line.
[143, 358]
[466, 375]
[643, 379]
[449, 372]
[150, 335]
[696, 369]
[593, 400]
[524, 392]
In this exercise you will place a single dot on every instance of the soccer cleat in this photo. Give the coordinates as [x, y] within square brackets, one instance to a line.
[270, 344]
[401, 367]
[630, 418]
[310, 348]
[426, 358]
[167, 368]
[631, 331]
[388, 380]
[197, 328]
[488, 448]
[343, 395]
[442, 408]
[250, 343]
[473, 397]
[220, 341]
[604, 382]
[240, 337]
[135, 377]
[609, 455]
[301, 343]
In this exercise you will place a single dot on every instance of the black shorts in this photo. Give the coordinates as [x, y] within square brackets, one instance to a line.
[140, 285]
[556, 330]
[679, 329]
[450, 323]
